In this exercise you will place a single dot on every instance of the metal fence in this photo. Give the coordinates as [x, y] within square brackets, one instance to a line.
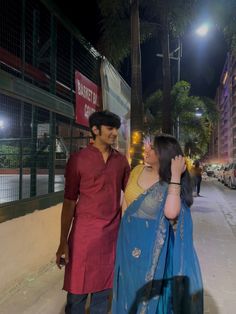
[34, 147]
[39, 47]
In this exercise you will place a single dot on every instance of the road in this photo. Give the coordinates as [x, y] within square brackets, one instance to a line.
[214, 218]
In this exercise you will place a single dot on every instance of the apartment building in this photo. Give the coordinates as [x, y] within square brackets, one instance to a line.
[223, 144]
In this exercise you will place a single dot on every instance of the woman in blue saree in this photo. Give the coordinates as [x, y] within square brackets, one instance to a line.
[157, 269]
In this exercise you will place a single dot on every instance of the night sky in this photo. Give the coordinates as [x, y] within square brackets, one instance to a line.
[201, 64]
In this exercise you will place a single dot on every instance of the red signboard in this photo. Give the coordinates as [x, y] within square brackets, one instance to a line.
[87, 98]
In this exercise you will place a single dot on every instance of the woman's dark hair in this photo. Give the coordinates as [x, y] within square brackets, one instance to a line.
[105, 117]
[167, 147]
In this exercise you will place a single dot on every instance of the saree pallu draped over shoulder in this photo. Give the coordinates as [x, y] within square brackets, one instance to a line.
[157, 270]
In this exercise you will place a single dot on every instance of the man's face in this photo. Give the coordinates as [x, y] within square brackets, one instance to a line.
[106, 135]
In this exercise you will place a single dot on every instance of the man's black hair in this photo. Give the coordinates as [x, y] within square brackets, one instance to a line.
[105, 117]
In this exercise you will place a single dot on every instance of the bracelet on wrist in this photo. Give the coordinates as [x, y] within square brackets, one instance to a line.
[177, 183]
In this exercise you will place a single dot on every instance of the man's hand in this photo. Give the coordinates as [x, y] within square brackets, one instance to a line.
[67, 215]
[63, 251]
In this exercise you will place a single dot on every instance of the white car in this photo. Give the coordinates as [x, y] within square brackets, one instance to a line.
[230, 175]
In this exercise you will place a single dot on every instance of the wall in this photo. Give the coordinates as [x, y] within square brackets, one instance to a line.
[28, 243]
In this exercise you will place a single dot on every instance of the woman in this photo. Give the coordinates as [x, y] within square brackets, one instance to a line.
[157, 269]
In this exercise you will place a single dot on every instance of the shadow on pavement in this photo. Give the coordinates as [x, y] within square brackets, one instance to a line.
[202, 209]
[210, 307]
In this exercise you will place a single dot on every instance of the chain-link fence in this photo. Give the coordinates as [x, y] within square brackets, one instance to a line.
[34, 147]
[39, 47]
[43, 49]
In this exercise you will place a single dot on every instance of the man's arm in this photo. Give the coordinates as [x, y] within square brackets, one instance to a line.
[124, 206]
[67, 215]
[126, 174]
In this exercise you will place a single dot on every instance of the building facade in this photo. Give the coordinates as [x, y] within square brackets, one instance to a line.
[223, 144]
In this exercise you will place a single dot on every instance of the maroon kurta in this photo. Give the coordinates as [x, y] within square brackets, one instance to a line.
[97, 186]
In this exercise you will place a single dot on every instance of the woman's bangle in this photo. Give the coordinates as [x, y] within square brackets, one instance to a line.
[177, 183]
[174, 189]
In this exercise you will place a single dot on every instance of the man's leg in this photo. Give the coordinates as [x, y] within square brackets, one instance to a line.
[100, 302]
[199, 185]
[75, 303]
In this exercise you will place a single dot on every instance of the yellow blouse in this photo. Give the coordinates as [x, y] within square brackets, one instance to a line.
[133, 189]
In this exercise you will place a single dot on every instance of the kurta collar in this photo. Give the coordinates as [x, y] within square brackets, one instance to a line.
[96, 150]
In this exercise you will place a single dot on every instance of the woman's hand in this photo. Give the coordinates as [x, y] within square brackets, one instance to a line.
[178, 166]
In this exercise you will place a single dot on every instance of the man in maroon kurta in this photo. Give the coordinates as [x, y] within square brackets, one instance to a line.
[94, 177]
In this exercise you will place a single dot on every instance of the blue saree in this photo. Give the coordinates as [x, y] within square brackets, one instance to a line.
[157, 270]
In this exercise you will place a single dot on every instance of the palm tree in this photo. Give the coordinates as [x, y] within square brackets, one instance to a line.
[137, 112]
[195, 131]
[164, 18]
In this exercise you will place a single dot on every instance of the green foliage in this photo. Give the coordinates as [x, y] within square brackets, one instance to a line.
[114, 42]
[180, 15]
[195, 131]
[153, 102]
[9, 156]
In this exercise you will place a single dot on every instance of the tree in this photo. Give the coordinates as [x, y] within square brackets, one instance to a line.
[195, 131]
[137, 112]
[162, 18]
[166, 101]
[114, 41]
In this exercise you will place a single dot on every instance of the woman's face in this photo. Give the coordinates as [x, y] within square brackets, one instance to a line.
[150, 156]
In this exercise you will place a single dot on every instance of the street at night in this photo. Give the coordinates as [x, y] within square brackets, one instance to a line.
[214, 218]
[118, 120]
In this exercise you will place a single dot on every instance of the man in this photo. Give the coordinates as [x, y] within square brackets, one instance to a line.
[94, 179]
[197, 177]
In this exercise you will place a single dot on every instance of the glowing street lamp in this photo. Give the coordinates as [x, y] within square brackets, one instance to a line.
[2, 124]
[198, 112]
[202, 30]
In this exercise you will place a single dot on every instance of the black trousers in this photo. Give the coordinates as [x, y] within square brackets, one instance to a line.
[99, 303]
[198, 180]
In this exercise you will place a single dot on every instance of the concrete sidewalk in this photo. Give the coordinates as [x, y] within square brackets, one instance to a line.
[215, 244]
[39, 294]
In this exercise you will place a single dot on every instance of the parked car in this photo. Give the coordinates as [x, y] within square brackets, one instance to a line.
[224, 174]
[230, 175]
[220, 173]
[212, 169]
[216, 170]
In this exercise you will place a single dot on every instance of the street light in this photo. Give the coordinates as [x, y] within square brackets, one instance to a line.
[202, 30]
[198, 112]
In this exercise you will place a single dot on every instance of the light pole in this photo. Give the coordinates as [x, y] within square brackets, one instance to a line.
[175, 55]
[178, 79]
[201, 31]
